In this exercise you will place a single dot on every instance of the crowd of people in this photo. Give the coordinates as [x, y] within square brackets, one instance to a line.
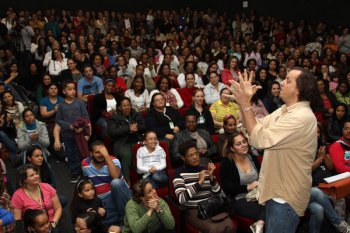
[86, 86]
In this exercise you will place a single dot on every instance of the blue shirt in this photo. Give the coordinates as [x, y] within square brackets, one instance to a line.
[92, 87]
[47, 103]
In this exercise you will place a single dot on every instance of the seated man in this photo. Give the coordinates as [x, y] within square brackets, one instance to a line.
[105, 173]
[89, 84]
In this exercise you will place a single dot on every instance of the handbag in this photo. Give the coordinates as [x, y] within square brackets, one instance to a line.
[211, 207]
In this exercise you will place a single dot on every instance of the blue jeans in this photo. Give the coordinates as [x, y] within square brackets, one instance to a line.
[9, 143]
[280, 218]
[158, 179]
[320, 204]
[73, 156]
[114, 202]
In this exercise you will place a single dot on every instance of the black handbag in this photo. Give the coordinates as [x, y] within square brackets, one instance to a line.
[212, 207]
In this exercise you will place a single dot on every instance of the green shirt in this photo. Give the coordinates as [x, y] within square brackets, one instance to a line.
[137, 221]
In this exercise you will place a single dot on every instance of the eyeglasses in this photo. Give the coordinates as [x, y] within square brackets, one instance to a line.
[346, 129]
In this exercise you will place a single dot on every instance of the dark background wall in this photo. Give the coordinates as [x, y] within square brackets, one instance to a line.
[333, 12]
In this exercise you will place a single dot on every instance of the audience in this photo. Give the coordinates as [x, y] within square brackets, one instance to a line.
[187, 49]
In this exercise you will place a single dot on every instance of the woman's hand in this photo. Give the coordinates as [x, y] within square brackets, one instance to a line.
[252, 185]
[57, 145]
[34, 137]
[101, 211]
[169, 136]
[211, 170]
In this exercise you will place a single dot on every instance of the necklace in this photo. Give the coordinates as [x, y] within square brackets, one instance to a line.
[39, 201]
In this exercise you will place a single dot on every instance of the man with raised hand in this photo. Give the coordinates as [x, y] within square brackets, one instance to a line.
[288, 136]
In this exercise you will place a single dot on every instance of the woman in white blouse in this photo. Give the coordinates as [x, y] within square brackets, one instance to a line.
[138, 94]
[58, 63]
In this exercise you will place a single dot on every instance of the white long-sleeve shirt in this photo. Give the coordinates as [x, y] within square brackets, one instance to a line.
[55, 67]
[146, 160]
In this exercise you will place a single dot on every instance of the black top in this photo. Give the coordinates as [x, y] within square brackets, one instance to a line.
[84, 205]
[230, 180]
[208, 119]
[160, 122]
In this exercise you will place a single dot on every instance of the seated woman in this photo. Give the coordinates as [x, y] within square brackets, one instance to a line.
[146, 212]
[8, 134]
[125, 128]
[198, 108]
[194, 183]
[104, 105]
[33, 194]
[258, 107]
[36, 158]
[325, 101]
[272, 101]
[43, 88]
[151, 160]
[165, 71]
[231, 73]
[205, 144]
[32, 132]
[336, 122]
[320, 203]
[187, 91]
[213, 88]
[342, 94]
[239, 175]
[340, 149]
[172, 97]
[138, 94]
[72, 73]
[222, 108]
[14, 108]
[36, 221]
[164, 120]
[230, 127]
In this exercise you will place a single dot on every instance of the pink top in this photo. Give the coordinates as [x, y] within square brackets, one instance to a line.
[21, 200]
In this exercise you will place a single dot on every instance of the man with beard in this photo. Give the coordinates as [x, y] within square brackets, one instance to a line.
[105, 173]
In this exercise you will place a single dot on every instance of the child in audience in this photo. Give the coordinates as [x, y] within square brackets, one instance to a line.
[85, 199]
[151, 160]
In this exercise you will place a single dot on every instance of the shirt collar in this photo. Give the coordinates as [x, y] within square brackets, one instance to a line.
[295, 106]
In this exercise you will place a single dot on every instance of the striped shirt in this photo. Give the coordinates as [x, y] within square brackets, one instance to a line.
[187, 189]
[99, 177]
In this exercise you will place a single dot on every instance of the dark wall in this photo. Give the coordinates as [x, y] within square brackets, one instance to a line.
[333, 12]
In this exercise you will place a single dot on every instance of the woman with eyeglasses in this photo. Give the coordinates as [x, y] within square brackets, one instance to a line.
[239, 175]
[146, 212]
[205, 145]
[164, 120]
